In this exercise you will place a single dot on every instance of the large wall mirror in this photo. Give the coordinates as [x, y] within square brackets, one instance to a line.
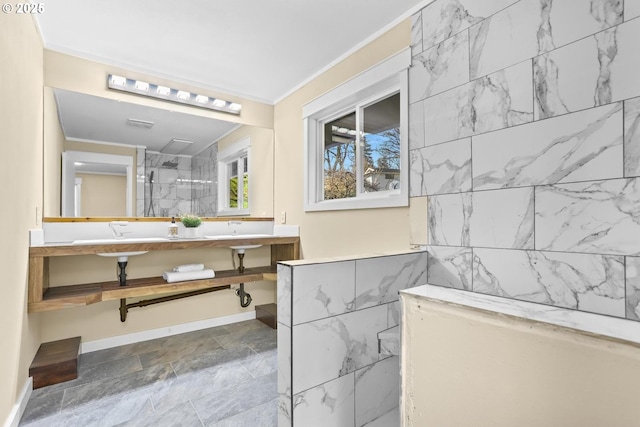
[107, 158]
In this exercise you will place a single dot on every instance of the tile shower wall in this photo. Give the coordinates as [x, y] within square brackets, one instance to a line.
[170, 192]
[525, 137]
[180, 184]
[329, 316]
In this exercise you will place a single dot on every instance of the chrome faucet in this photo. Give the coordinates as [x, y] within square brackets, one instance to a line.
[117, 233]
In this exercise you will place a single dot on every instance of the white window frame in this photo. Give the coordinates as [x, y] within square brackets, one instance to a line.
[382, 80]
[234, 152]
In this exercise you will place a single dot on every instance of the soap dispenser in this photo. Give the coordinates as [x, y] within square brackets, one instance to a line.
[173, 229]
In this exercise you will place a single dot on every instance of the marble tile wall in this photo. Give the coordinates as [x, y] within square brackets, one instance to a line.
[525, 136]
[180, 184]
[171, 194]
[330, 370]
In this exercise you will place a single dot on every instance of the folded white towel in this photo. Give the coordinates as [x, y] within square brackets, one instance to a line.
[189, 267]
[175, 276]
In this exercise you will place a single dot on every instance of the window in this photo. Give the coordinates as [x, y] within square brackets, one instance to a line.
[233, 179]
[355, 141]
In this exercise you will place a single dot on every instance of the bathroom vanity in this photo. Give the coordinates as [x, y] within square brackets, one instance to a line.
[42, 297]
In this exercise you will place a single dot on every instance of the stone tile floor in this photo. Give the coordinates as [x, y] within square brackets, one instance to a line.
[218, 377]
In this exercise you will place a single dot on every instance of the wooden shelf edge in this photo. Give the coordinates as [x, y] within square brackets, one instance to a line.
[60, 297]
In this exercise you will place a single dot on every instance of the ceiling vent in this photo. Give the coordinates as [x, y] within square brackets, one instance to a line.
[140, 123]
[176, 146]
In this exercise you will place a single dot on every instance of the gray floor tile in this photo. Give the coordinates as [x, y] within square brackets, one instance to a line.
[223, 376]
[261, 364]
[199, 383]
[215, 407]
[120, 352]
[42, 407]
[265, 415]
[180, 415]
[141, 382]
[259, 339]
[176, 350]
[215, 358]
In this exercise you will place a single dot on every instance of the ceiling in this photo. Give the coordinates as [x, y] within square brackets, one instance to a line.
[257, 49]
[95, 119]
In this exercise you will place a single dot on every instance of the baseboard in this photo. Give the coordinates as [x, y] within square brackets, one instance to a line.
[89, 346]
[18, 408]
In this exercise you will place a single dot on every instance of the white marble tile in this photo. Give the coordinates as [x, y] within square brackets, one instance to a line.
[450, 267]
[605, 326]
[632, 276]
[416, 33]
[593, 217]
[502, 218]
[329, 404]
[283, 289]
[631, 9]
[632, 137]
[329, 348]
[378, 280]
[416, 125]
[497, 101]
[441, 169]
[439, 68]
[445, 18]
[322, 290]
[532, 27]
[597, 70]
[284, 376]
[582, 146]
[448, 219]
[377, 390]
[593, 283]
[393, 313]
[390, 419]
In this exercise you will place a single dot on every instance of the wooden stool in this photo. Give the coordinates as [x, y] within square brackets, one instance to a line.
[55, 362]
[268, 314]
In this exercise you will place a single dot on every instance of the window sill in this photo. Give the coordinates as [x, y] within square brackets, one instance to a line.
[395, 200]
[234, 212]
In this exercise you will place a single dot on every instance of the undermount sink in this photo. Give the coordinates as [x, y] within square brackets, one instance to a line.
[124, 240]
[237, 236]
[240, 248]
[122, 256]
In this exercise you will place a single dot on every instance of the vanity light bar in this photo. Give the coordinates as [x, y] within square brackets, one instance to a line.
[139, 87]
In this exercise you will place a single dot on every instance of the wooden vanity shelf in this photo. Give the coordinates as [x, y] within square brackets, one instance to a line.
[44, 298]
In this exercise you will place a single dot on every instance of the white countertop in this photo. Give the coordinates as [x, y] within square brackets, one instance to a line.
[611, 327]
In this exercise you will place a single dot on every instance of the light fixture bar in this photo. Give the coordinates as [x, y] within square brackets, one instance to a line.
[165, 93]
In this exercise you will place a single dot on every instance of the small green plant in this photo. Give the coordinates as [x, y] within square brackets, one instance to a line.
[190, 220]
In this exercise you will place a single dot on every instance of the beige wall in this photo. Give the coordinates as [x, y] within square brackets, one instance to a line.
[21, 125]
[103, 195]
[261, 167]
[337, 232]
[463, 367]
